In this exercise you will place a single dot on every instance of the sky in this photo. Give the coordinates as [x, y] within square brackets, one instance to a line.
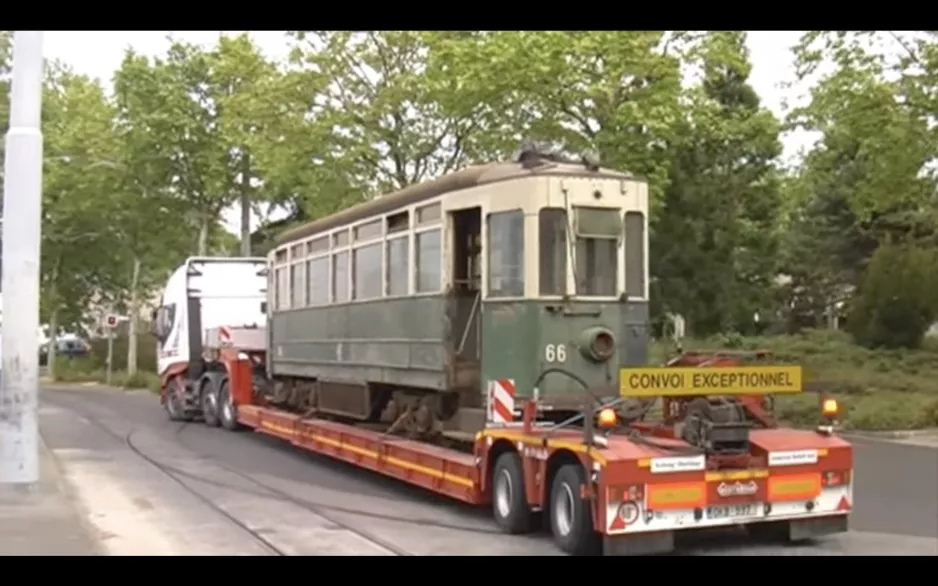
[99, 53]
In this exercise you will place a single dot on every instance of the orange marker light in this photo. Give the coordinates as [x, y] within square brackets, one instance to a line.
[830, 407]
[607, 418]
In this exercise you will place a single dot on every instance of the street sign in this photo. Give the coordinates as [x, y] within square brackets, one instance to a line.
[111, 321]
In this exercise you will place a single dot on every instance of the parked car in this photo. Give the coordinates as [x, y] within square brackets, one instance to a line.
[68, 347]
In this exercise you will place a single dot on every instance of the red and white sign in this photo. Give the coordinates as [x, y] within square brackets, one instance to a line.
[224, 335]
[501, 400]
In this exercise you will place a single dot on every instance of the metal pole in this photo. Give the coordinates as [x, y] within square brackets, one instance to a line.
[110, 355]
[22, 201]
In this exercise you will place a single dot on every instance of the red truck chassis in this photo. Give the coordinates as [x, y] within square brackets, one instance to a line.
[621, 492]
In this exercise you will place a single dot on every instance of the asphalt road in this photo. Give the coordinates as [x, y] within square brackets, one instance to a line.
[896, 489]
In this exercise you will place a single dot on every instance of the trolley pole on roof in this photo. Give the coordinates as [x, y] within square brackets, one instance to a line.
[22, 201]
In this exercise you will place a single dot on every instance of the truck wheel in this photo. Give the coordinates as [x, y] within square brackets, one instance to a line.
[209, 400]
[228, 412]
[175, 400]
[571, 520]
[509, 503]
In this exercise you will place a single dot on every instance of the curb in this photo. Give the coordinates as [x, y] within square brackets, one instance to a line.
[895, 434]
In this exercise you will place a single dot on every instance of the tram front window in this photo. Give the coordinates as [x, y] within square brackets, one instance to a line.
[597, 245]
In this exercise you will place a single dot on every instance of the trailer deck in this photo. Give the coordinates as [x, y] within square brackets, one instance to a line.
[647, 485]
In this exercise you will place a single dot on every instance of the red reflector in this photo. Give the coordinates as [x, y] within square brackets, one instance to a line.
[844, 504]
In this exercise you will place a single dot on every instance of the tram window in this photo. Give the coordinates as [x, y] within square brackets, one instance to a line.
[318, 245]
[317, 275]
[506, 254]
[340, 277]
[366, 262]
[281, 256]
[297, 286]
[397, 268]
[596, 266]
[398, 222]
[428, 261]
[635, 254]
[368, 231]
[281, 295]
[428, 214]
[297, 252]
[552, 227]
[340, 238]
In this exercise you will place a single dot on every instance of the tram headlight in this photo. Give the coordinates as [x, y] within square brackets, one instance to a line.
[598, 344]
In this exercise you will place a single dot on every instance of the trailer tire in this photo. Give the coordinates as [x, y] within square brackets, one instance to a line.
[571, 520]
[509, 503]
[228, 411]
[209, 401]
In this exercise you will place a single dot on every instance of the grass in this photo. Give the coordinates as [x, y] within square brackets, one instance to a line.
[878, 389]
[88, 371]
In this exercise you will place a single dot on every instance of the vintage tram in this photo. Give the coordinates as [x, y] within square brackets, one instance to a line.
[440, 307]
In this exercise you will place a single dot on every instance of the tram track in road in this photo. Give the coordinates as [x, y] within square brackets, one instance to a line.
[263, 490]
[312, 506]
[178, 476]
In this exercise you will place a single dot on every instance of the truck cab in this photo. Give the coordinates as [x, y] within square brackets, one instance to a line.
[204, 294]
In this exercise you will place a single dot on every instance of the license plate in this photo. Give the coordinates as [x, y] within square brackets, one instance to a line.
[733, 511]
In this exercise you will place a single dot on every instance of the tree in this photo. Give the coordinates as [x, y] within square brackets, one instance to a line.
[896, 303]
[382, 109]
[169, 100]
[79, 245]
[870, 179]
[240, 79]
[614, 92]
[715, 238]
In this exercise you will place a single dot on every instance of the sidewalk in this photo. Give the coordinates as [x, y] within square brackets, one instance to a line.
[44, 520]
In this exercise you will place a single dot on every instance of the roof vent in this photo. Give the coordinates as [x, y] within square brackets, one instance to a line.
[533, 154]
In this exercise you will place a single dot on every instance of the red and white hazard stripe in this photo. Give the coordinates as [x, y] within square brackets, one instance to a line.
[224, 335]
[501, 403]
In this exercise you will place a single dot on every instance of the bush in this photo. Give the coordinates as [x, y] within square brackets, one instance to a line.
[878, 388]
[896, 303]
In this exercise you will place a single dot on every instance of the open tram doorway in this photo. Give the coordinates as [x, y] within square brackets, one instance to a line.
[465, 303]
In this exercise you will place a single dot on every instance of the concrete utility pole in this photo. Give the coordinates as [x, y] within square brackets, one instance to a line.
[22, 207]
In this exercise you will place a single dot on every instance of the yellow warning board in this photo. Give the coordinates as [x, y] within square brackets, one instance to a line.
[722, 380]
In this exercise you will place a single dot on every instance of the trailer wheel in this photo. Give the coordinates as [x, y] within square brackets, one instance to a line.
[228, 410]
[571, 520]
[509, 503]
[209, 400]
[175, 401]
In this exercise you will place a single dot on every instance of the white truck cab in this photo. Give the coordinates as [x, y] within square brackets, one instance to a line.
[206, 293]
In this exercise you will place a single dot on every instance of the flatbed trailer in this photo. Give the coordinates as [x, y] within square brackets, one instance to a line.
[619, 492]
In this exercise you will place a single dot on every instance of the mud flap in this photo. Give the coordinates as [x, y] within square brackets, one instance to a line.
[638, 544]
[803, 529]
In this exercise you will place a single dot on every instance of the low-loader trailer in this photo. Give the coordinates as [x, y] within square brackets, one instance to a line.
[485, 335]
[608, 479]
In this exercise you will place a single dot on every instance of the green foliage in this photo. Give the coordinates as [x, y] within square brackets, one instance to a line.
[897, 302]
[878, 389]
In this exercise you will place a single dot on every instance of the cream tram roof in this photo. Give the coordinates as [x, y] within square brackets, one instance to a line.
[473, 176]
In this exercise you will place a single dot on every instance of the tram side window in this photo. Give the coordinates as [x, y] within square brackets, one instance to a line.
[340, 292]
[282, 288]
[635, 254]
[397, 268]
[317, 274]
[552, 238]
[596, 251]
[367, 271]
[297, 286]
[428, 258]
[506, 254]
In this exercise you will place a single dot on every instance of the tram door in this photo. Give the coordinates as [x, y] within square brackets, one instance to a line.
[465, 302]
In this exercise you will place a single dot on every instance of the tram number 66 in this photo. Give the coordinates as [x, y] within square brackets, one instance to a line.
[555, 353]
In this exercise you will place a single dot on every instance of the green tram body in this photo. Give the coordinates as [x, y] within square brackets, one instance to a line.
[418, 299]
